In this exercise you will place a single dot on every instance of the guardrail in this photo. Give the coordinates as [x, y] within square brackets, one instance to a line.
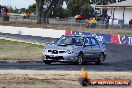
[52, 33]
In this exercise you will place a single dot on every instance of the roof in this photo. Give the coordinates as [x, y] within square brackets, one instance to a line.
[127, 4]
[80, 35]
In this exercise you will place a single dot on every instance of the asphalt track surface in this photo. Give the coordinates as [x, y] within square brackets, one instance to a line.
[119, 58]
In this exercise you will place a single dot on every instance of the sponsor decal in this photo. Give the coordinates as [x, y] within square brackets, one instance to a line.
[105, 38]
[114, 39]
[86, 81]
[130, 40]
[123, 39]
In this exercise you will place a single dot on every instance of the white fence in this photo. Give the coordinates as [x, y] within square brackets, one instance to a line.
[32, 31]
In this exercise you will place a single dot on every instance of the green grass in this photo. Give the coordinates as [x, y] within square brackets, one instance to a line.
[11, 50]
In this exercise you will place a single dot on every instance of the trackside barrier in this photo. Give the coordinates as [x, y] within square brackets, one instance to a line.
[105, 38]
[52, 33]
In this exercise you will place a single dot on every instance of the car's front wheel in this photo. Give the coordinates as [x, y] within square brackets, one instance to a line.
[100, 59]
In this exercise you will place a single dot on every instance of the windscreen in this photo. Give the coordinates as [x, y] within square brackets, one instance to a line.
[70, 40]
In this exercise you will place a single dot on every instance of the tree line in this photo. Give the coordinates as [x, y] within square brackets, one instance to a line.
[53, 8]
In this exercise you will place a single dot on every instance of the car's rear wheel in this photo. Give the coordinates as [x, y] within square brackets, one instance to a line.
[100, 59]
[80, 59]
[47, 62]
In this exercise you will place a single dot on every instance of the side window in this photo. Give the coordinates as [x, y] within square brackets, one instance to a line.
[87, 41]
[94, 41]
[79, 41]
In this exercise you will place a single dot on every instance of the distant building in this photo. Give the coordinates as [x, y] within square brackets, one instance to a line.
[22, 10]
[120, 12]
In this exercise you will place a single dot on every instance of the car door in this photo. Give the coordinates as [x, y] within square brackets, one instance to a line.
[95, 47]
[87, 48]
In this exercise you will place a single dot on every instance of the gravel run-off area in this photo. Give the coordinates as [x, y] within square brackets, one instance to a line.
[55, 79]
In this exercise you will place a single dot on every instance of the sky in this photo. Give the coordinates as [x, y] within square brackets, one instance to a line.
[17, 3]
[21, 3]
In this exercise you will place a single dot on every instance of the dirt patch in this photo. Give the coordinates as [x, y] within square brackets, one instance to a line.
[55, 79]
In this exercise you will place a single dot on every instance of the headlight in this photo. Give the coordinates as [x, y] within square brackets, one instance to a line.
[70, 51]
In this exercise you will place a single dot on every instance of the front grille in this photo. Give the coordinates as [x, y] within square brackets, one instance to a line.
[61, 51]
[55, 51]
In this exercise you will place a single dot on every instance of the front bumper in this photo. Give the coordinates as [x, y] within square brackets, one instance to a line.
[59, 57]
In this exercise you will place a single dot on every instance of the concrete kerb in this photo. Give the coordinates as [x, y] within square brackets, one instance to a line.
[36, 43]
[52, 33]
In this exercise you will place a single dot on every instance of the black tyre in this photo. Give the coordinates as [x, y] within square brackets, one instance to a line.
[100, 59]
[47, 62]
[80, 59]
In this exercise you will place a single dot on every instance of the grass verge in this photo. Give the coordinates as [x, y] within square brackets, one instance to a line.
[12, 50]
